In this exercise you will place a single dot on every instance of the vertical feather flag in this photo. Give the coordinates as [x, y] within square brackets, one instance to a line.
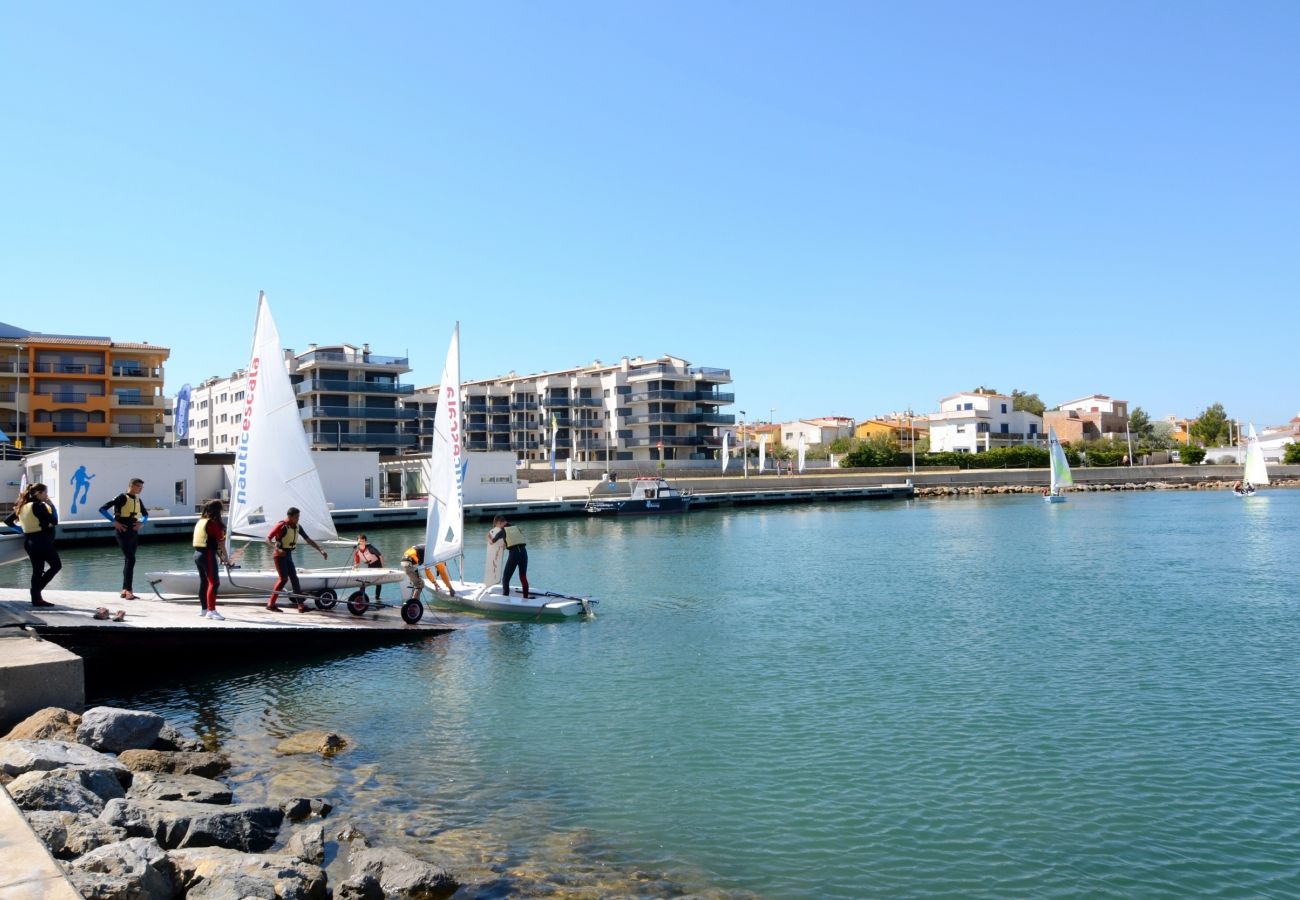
[554, 431]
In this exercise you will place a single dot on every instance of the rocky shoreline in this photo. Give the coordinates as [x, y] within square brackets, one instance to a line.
[963, 490]
[133, 810]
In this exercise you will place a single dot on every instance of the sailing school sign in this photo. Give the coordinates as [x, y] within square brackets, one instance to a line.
[241, 458]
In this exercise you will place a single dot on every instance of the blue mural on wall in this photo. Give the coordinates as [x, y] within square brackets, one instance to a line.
[80, 482]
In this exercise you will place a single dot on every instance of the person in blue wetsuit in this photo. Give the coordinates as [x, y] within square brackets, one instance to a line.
[128, 514]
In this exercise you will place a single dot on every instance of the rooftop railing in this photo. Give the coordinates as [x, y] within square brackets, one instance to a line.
[359, 358]
[330, 385]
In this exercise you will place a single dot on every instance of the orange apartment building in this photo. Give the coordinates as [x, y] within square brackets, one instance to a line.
[60, 389]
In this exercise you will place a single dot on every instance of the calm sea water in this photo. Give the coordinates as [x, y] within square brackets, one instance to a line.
[982, 697]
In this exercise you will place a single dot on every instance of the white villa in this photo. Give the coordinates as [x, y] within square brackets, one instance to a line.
[972, 422]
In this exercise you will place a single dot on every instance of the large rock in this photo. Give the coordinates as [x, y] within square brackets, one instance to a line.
[114, 730]
[190, 788]
[308, 844]
[175, 762]
[17, 757]
[49, 724]
[398, 875]
[64, 789]
[326, 743]
[175, 824]
[171, 739]
[300, 808]
[69, 835]
[217, 874]
[134, 869]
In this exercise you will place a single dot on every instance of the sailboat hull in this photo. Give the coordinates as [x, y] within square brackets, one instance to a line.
[12, 549]
[547, 604]
[260, 582]
[1054, 498]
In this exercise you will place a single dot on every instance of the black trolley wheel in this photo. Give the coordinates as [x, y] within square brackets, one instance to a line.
[326, 599]
[412, 611]
[358, 603]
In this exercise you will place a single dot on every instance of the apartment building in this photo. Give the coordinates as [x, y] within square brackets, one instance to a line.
[1089, 418]
[636, 410]
[822, 430]
[348, 399]
[975, 421]
[904, 429]
[79, 390]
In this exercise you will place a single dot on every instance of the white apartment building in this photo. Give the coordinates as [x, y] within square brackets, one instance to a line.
[972, 422]
[824, 430]
[636, 410]
[348, 398]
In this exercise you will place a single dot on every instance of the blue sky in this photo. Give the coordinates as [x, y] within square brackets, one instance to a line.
[856, 207]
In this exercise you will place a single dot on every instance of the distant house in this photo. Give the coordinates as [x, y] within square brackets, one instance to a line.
[902, 428]
[975, 421]
[1089, 418]
[824, 430]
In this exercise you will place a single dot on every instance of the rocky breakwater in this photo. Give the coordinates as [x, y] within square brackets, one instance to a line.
[984, 490]
[134, 809]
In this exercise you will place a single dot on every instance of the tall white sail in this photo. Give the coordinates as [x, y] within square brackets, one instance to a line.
[762, 452]
[802, 451]
[1256, 469]
[1061, 476]
[273, 467]
[444, 528]
[726, 450]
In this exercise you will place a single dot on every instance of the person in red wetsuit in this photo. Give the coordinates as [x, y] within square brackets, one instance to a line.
[284, 538]
[209, 548]
[368, 555]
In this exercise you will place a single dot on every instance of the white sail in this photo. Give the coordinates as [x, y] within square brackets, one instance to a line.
[726, 450]
[444, 528]
[802, 450]
[1061, 476]
[1256, 469]
[762, 452]
[273, 467]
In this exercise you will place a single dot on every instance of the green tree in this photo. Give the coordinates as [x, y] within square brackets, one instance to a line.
[1191, 456]
[1211, 427]
[843, 445]
[1030, 403]
[1291, 455]
[877, 451]
[985, 390]
[1161, 437]
[1140, 424]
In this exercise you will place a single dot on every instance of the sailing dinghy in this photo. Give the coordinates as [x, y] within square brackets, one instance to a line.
[1061, 477]
[444, 528]
[1255, 472]
[274, 471]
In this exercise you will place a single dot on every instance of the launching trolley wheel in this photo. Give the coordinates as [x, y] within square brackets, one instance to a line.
[326, 599]
[358, 603]
[412, 611]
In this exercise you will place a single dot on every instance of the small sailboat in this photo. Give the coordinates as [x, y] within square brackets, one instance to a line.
[274, 471]
[444, 528]
[1060, 467]
[1255, 472]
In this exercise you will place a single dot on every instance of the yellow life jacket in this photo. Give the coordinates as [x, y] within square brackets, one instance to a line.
[132, 508]
[27, 518]
[290, 539]
[414, 554]
[201, 534]
[514, 536]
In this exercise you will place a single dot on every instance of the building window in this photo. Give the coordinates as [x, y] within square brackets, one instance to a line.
[180, 493]
[1004, 407]
[1006, 429]
[370, 488]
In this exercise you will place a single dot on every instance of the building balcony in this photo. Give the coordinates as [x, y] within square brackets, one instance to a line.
[361, 358]
[333, 386]
[684, 373]
[136, 429]
[587, 401]
[524, 405]
[682, 419]
[82, 401]
[525, 445]
[668, 440]
[70, 368]
[150, 401]
[356, 412]
[364, 439]
[136, 372]
[692, 396]
[52, 429]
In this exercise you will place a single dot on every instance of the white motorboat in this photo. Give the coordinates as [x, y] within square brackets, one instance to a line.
[274, 471]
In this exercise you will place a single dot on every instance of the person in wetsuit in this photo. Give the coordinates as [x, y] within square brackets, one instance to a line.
[516, 553]
[128, 514]
[37, 517]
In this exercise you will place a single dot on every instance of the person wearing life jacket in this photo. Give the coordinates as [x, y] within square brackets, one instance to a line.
[37, 517]
[284, 538]
[209, 548]
[516, 553]
[368, 555]
[128, 514]
[413, 562]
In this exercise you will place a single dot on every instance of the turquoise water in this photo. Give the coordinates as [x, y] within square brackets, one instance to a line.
[982, 697]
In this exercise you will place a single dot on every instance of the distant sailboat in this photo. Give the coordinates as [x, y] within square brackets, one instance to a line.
[1255, 472]
[1061, 476]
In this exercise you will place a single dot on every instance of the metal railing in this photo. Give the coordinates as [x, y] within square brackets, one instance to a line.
[328, 385]
[695, 396]
[682, 418]
[356, 412]
[668, 440]
[135, 372]
[66, 396]
[71, 368]
[377, 439]
[137, 428]
[516, 405]
[361, 359]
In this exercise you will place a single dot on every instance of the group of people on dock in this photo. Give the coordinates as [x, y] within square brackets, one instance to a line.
[36, 517]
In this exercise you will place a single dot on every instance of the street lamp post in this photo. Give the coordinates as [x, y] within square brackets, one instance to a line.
[744, 452]
[911, 438]
[18, 411]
